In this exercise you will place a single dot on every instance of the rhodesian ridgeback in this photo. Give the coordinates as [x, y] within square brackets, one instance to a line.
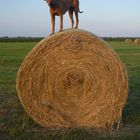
[60, 7]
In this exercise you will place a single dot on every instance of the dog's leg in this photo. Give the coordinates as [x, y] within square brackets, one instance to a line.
[71, 17]
[74, 2]
[53, 23]
[77, 19]
[61, 22]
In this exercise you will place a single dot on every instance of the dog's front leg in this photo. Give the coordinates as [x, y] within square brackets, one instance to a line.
[61, 22]
[53, 23]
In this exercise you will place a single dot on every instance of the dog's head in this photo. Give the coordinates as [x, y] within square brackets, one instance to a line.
[51, 3]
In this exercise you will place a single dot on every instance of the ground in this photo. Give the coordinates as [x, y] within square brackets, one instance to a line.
[16, 124]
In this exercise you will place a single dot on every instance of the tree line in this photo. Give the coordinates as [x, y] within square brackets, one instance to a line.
[37, 39]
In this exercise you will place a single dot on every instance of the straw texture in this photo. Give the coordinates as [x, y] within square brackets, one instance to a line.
[128, 41]
[137, 41]
[73, 79]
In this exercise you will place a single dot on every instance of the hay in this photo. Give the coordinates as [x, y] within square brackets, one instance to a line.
[128, 41]
[137, 41]
[73, 79]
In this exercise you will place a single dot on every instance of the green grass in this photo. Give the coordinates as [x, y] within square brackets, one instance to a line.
[16, 124]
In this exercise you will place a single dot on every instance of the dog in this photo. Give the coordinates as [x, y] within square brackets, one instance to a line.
[60, 7]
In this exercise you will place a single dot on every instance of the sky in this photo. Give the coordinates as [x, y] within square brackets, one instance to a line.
[106, 18]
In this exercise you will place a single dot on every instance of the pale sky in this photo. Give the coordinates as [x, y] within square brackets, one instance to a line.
[102, 17]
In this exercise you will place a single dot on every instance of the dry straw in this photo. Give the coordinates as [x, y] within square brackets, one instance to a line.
[137, 41]
[128, 41]
[73, 79]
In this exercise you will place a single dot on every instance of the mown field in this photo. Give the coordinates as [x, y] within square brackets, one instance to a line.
[16, 124]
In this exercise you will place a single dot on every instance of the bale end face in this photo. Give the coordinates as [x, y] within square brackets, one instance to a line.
[73, 79]
[128, 41]
[137, 41]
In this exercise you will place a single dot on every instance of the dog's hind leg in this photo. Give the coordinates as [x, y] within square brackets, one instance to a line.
[77, 19]
[61, 23]
[71, 17]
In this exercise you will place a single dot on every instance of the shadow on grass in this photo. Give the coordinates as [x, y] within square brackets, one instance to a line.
[70, 134]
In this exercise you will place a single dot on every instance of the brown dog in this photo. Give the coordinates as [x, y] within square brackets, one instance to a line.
[60, 7]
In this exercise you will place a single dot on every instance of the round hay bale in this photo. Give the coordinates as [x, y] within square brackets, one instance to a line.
[128, 41]
[73, 79]
[137, 41]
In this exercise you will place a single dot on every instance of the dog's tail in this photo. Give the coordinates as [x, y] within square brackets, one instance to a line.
[78, 7]
[80, 11]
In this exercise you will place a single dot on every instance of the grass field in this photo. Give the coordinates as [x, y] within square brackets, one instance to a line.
[16, 124]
